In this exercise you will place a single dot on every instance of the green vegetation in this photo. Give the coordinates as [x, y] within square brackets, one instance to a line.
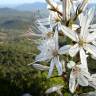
[16, 77]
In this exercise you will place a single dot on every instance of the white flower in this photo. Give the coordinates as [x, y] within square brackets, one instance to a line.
[55, 18]
[92, 81]
[83, 39]
[50, 51]
[40, 67]
[79, 76]
[46, 33]
[54, 89]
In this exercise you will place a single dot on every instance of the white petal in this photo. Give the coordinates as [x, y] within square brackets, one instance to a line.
[71, 64]
[91, 49]
[76, 3]
[92, 81]
[59, 27]
[54, 89]
[91, 14]
[93, 57]
[74, 50]
[46, 44]
[91, 37]
[42, 28]
[93, 26]
[56, 39]
[86, 20]
[83, 4]
[40, 67]
[92, 84]
[41, 45]
[64, 49]
[85, 73]
[43, 56]
[82, 80]
[70, 33]
[83, 20]
[94, 76]
[94, 42]
[72, 83]
[91, 30]
[83, 58]
[54, 16]
[75, 27]
[58, 65]
[51, 44]
[51, 68]
[68, 9]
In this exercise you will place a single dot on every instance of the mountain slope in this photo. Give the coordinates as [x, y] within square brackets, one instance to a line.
[32, 6]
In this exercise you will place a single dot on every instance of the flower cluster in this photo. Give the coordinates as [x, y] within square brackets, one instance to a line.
[71, 20]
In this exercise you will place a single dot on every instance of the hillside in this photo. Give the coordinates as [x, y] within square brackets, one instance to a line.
[12, 19]
[14, 23]
[30, 7]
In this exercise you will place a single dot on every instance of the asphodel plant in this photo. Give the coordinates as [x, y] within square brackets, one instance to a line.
[73, 21]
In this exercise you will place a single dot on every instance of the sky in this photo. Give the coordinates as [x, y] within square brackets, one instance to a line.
[6, 2]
